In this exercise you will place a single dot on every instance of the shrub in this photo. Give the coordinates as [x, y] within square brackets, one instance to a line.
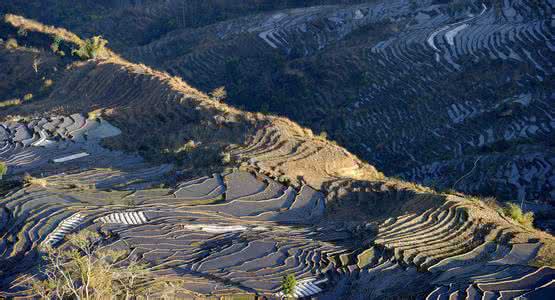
[91, 48]
[27, 97]
[513, 211]
[3, 169]
[11, 44]
[226, 158]
[11, 102]
[284, 180]
[22, 32]
[219, 94]
[47, 83]
[187, 147]
[288, 284]
[55, 46]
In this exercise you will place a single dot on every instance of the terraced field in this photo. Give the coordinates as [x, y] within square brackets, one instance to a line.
[410, 86]
[277, 200]
[239, 233]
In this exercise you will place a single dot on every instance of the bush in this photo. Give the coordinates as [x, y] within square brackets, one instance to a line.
[22, 32]
[288, 284]
[11, 102]
[219, 94]
[513, 211]
[47, 83]
[11, 44]
[226, 158]
[91, 48]
[27, 97]
[55, 46]
[3, 169]
[187, 147]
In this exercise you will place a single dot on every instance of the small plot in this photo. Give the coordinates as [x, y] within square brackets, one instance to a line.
[70, 157]
[210, 188]
[215, 228]
[244, 207]
[306, 288]
[307, 207]
[63, 229]
[530, 281]
[254, 250]
[241, 184]
[22, 133]
[520, 254]
[129, 218]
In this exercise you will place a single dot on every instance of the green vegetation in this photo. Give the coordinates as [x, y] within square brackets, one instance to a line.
[47, 83]
[284, 180]
[3, 169]
[11, 102]
[513, 211]
[11, 44]
[288, 284]
[22, 32]
[27, 97]
[55, 46]
[84, 270]
[91, 48]
[226, 158]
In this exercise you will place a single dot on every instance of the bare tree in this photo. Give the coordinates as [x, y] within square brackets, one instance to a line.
[80, 269]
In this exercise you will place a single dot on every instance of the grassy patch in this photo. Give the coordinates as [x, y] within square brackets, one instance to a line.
[11, 44]
[11, 102]
[205, 201]
[513, 211]
[365, 258]
[28, 97]
[546, 254]
[28, 179]
[196, 244]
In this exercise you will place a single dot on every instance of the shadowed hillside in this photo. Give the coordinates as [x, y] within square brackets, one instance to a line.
[230, 201]
[411, 86]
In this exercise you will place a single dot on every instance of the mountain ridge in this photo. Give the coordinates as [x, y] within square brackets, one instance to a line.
[155, 111]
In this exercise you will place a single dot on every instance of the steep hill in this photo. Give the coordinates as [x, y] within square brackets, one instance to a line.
[410, 86]
[247, 197]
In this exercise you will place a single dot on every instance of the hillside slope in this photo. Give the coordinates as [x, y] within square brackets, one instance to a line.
[253, 197]
[410, 86]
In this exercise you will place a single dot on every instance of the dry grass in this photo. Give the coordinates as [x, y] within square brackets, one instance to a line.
[364, 258]
[546, 255]
[31, 25]
[93, 115]
[57, 33]
[28, 179]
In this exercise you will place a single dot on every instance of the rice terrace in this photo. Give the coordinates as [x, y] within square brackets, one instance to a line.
[320, 149]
